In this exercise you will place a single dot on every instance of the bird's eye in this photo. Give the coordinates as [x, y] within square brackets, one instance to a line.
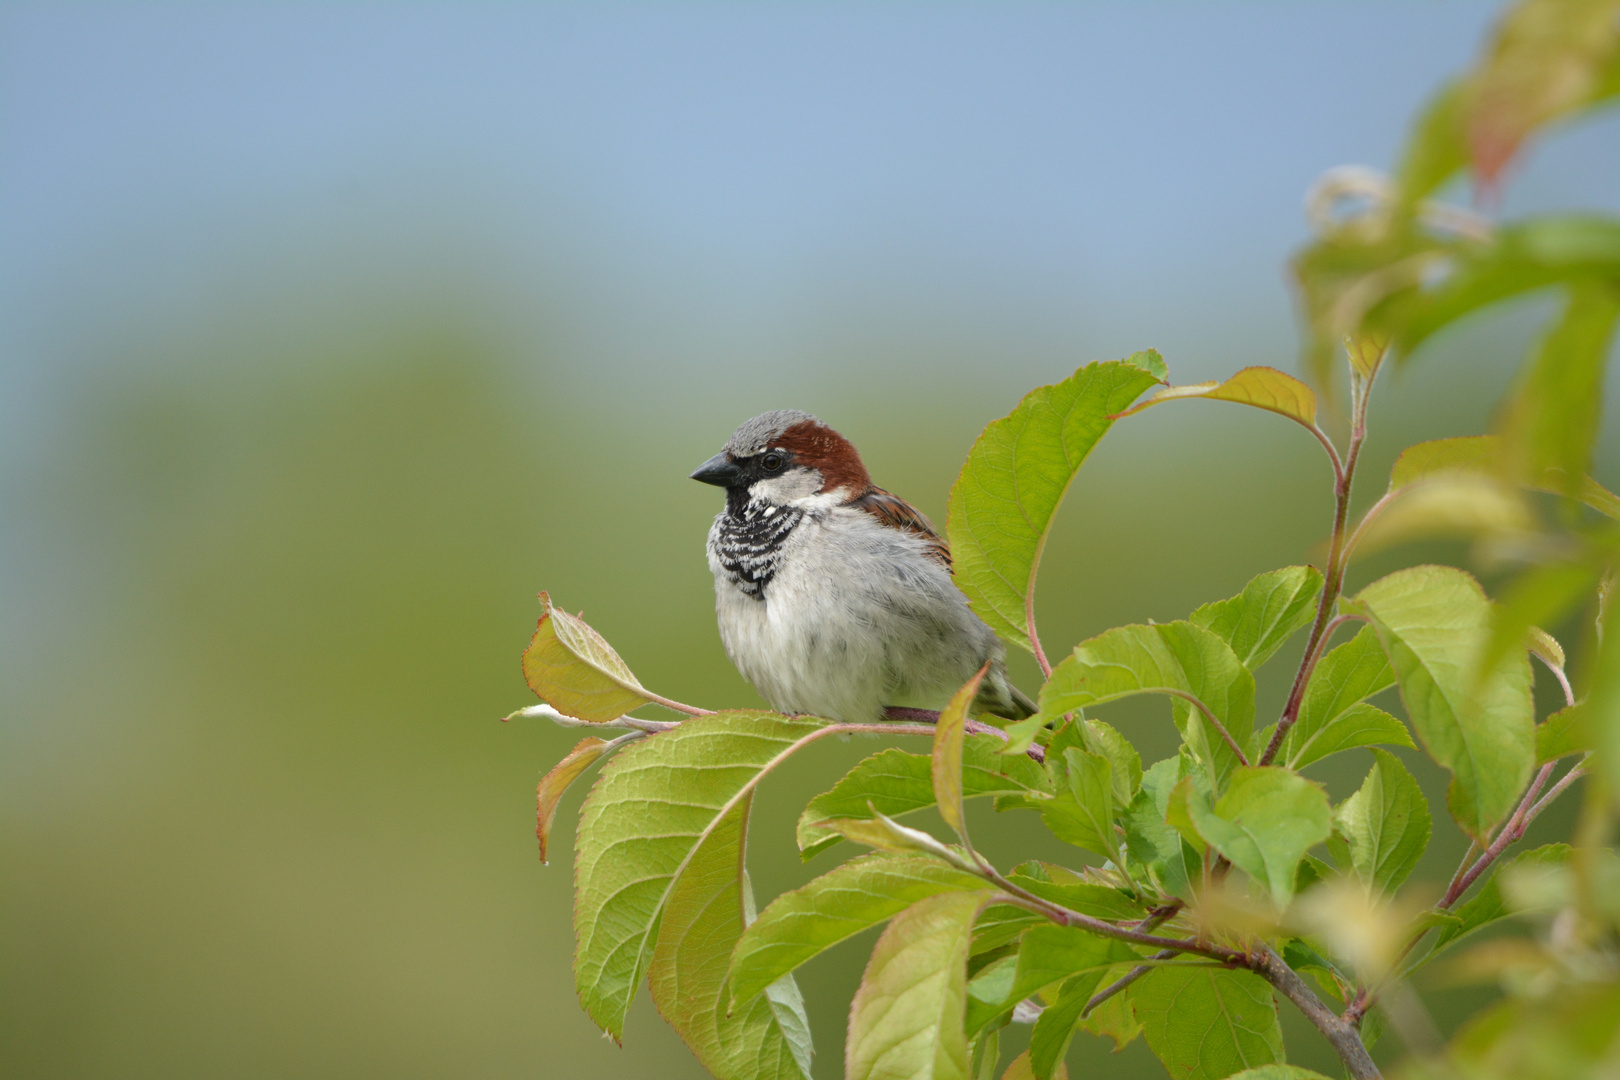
[772, 462]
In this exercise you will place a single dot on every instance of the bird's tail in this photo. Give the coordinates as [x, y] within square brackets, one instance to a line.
[997, 695]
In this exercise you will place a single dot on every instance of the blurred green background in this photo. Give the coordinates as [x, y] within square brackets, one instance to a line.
[328, 336]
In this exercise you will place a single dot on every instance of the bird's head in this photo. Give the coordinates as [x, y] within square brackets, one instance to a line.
[784, 457]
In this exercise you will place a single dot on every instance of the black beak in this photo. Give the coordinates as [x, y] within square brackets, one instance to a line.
[718, 471]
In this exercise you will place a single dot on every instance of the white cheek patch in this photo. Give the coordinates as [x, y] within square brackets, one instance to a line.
[795, 484]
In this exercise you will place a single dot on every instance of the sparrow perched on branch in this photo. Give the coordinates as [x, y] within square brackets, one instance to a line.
[835, 597]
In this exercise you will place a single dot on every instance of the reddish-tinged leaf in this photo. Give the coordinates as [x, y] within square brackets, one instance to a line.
[555, 782]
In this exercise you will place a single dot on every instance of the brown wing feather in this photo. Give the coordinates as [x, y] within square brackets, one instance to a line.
[895, 513]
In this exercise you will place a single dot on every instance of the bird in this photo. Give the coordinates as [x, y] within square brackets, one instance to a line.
[834, 597]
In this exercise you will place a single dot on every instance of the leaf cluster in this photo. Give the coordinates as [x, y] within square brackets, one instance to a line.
[1207, 887]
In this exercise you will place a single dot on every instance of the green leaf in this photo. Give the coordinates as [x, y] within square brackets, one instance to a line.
[989, 995]
[703, 917]
[1487, 905]
[1207, 1023]
[906, 1019]
[654, 803]
[1277, 1072]
[898, 782]
[1151, 840]
[1385, 823]
[1124, 762]
[552, 786]
[1263, 387]
[946, 763]
[1083, 815]
[1431, 621]
[1264, 823]
[1551, 420]
[1359, 725]
[1521, 258]
[987, 1055]
[835, 906]
[1002, 503]
[1177, 659]
[1564, 733]
[576, 672]
[1268, 611]
[1486, 454]
[1050, 954]
[1054, 1028]
[1073, 891]
[1114, 1019]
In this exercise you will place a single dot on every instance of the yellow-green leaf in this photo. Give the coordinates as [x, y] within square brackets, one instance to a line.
[906, 1022]
[1003, 501]
[769, 1037]
[1207, 1023]
[1263, 387]
[1432, 622]
[947, 757]
[576, 672]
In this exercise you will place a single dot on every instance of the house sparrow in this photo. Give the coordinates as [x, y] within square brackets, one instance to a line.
[835, 597]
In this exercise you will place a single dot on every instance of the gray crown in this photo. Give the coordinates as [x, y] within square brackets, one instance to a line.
[756, 434]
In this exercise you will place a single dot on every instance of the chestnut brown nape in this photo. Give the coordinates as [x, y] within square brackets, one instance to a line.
[818, 446]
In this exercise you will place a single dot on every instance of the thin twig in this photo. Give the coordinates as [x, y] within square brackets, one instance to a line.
[1333, 581]
[1339, 1032]
[971, 726]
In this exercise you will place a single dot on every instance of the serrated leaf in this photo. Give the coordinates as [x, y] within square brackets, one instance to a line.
[1359, 725]
[576, 672]
[906, 1019]
[1207, 1023]
[849, 898]
[1564, 733]
[1385, 823]
[655, 801]
[770, 1037]
[946, 762]
[1149, 837]
[1550, 422]
[553, 785]
[1125, 764]
[1269, 610]
[1264, 823]
[989, 994]
[1263, 387]
[897, 782]
[1485, 453]
[1083, 815]
[1002, 503]
[1177, 659]
[1431, 621]
[1345, 676]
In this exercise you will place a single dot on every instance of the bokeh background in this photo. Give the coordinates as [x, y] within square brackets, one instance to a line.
[331, 334]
